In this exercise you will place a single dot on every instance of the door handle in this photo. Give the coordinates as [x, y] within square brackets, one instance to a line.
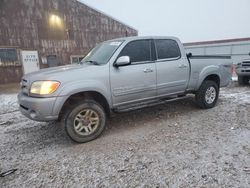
[182, 66]
[148, 70]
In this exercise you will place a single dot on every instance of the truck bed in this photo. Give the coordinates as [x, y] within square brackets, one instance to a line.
[220, 64]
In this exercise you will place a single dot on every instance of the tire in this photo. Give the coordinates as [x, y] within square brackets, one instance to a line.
[81, 122]
[243, 80]
[207, 95]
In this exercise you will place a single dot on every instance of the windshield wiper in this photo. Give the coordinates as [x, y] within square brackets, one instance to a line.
[92, 62]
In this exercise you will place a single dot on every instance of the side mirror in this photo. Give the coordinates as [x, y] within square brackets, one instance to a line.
[122, 61]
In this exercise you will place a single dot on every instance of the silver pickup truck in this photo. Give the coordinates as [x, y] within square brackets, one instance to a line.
[120, 75]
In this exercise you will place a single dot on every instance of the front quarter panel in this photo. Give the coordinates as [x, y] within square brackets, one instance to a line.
[72, 88]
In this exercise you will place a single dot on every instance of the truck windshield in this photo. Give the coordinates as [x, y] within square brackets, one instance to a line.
[102, 52]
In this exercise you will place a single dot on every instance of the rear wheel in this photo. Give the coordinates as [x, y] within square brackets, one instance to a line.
[85, 121]
[243, 80]
[207, 95]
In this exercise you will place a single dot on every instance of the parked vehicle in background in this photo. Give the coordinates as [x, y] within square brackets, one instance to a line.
[243, 72]
[121, 75]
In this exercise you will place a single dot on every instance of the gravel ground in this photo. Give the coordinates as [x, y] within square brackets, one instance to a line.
[171, 145]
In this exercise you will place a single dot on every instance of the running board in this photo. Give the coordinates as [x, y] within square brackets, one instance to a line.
[141, 105]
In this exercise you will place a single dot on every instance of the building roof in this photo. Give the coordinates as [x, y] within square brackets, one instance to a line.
[216, 41]
[91, 7]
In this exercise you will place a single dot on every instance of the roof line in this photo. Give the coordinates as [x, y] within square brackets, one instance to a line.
[216, 41]
[97, 10]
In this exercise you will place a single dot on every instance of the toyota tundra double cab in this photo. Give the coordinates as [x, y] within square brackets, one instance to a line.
[121, 75]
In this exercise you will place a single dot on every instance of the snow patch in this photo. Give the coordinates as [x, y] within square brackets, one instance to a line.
[8, 103]
[239, 97]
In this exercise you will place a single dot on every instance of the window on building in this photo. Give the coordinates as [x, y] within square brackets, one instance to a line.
[9, 57]
[138, 51]
[76, 58]
[167, 48]
[52, 61]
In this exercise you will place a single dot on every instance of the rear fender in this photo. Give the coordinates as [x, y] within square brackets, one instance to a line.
[207, 71]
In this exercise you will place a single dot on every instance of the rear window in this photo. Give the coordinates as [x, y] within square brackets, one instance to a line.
[167, 48]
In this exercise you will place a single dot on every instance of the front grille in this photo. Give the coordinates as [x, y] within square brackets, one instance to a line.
[245, 71]
[246, 64]
[24, 86]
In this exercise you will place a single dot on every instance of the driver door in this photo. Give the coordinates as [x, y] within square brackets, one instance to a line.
[136, 81]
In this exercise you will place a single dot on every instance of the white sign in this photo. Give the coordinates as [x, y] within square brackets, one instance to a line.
[30, 61]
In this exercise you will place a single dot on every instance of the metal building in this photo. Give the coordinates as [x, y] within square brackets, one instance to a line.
[239, 49]
[36, 34]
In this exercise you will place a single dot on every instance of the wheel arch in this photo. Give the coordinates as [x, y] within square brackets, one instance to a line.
[91, 95]
[212, 77]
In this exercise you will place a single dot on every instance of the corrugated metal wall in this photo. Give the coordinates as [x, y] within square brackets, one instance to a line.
[237, 50]
[54, 27]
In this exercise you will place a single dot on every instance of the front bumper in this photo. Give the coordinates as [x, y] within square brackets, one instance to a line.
[243, 71]
[38, 109]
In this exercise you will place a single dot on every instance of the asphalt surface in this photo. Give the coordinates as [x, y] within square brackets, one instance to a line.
[171, 145]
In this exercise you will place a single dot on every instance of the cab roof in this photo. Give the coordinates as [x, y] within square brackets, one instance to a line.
[144, 37]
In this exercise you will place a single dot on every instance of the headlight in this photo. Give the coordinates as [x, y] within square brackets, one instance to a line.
[44, 87]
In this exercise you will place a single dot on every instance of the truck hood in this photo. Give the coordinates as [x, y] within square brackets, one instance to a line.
[54, 70]
[65, 74]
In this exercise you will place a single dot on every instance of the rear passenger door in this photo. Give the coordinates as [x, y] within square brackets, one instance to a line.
[136, 81]
[172, 68]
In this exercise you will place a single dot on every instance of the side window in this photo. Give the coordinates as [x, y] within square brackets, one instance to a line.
[138, 51]
[167, 48]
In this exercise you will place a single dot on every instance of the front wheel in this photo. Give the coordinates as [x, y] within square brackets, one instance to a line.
[207, 95]
[85, 121]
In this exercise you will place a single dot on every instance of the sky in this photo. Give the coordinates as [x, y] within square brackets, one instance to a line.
[190, 20]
